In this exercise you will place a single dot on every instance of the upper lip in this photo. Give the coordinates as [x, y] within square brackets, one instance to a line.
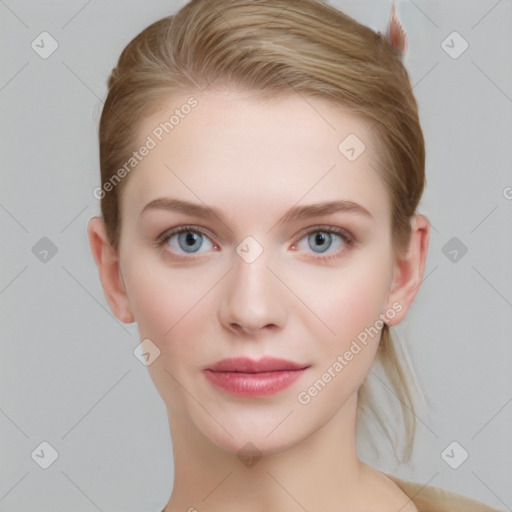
[247, 365]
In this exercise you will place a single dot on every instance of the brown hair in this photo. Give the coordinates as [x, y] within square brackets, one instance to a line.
[276, 48]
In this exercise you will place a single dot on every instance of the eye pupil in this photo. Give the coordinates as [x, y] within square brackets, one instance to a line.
[190, 239]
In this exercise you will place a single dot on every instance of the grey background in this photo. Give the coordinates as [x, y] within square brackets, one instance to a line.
[68, 373]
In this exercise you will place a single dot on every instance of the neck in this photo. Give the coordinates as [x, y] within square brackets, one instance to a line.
[319, 471]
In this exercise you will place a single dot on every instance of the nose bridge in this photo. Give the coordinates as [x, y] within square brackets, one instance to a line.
[252, 298]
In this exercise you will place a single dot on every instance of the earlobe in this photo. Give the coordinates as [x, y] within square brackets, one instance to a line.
[109, 270]
[410, 268]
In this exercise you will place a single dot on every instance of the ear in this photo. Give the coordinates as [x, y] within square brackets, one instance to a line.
[409, 269]
[396, 37]
[107, 262]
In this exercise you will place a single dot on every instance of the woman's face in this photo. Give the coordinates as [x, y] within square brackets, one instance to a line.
[257, 272]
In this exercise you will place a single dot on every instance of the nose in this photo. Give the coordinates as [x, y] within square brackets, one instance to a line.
[253, 299]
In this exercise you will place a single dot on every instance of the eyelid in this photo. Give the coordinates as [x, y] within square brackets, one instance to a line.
[185, 228]
[344, 233]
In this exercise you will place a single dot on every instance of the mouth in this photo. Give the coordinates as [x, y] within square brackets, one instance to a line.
[248, 377]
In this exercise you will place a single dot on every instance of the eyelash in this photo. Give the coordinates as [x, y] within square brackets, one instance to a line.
[347, 238]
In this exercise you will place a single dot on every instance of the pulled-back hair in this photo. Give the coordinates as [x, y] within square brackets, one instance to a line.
[277, 48]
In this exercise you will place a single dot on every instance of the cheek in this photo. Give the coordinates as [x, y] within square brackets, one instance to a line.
[166, 302]
[348, 299]
[351, 307]
[169, 308]
[155, 308]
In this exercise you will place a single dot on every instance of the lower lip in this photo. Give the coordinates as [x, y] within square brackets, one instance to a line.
[254, 384]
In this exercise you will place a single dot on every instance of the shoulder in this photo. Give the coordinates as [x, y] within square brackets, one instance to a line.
[428, 498]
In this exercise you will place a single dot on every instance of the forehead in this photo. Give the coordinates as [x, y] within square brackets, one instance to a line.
[231, 149]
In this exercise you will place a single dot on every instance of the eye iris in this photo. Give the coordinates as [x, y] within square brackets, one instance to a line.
[190, 241]
[320, 238]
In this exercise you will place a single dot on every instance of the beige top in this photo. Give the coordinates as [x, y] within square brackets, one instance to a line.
[428, 498]
[434, 499]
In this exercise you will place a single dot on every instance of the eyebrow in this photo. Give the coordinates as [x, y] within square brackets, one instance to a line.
[294, 213]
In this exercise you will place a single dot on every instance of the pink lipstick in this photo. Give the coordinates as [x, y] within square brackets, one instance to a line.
[247, 377]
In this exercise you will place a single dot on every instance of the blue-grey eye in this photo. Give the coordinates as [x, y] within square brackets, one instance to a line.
[189, 241]
[321, 241]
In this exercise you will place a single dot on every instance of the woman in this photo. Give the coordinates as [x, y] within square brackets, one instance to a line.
[261, 166]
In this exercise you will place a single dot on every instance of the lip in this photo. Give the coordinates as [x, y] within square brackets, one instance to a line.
[248, 377]
[247, 365]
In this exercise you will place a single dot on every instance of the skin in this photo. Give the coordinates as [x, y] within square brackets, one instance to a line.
[253, 160]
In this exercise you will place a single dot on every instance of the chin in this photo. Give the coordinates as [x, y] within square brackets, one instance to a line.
[253, 443]
[256, 429]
